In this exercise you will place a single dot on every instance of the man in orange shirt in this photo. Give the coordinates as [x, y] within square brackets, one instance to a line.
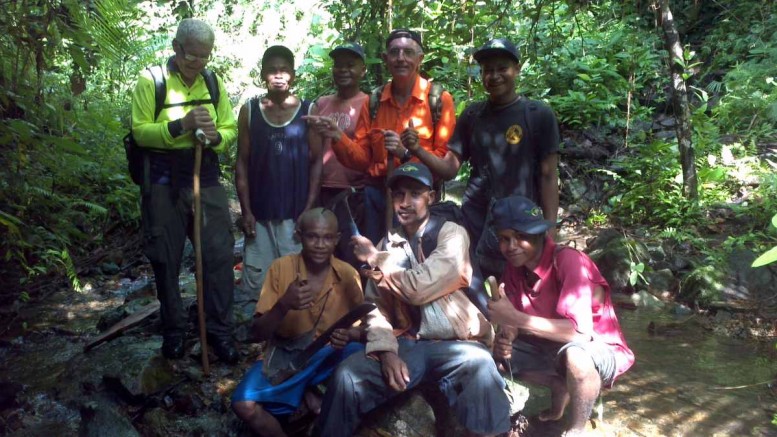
[403, 120]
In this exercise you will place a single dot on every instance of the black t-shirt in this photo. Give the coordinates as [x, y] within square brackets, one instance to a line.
[504, 152]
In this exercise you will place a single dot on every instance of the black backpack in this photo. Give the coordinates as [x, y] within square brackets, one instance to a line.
[136, 156]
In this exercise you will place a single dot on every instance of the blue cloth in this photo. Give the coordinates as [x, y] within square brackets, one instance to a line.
[286, 397]
[279, 165]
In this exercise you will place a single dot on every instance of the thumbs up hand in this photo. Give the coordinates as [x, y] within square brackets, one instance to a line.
[410, 137]
[501, 309]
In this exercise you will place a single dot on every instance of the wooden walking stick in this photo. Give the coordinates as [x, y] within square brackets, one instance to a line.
[389, 203]
[201, 140]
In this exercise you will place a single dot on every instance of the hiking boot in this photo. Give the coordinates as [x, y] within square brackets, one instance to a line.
[224, 348]
[172, 347]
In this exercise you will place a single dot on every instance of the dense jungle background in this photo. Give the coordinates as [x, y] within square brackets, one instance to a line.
[668, 112]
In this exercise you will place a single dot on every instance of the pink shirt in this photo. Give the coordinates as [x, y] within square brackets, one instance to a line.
[346, 113]
[567, 279]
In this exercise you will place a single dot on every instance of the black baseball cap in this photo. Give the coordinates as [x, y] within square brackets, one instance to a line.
[351, 47]
[497, 46]
[405, 33]
[278, 51]
[412, 170]
[519, 213]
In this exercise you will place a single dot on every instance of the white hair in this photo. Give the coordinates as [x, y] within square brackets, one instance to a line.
[191, 29]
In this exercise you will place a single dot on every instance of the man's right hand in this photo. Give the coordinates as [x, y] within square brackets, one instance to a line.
[299, 295]
[503, 343]
[199, 118]
[249, 225]
[324, 126]
[393, 143]
[363, 249]
[395, 372]
[409, 137]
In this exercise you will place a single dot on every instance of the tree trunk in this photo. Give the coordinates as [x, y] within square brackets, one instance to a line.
[680, 102]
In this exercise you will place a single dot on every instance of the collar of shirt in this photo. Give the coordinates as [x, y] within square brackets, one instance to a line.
[541, 271]
[172, 71]
[419, 91]
[546, 261]
[334, 278]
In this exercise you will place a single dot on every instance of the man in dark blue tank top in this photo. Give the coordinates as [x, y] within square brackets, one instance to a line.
[278, 167]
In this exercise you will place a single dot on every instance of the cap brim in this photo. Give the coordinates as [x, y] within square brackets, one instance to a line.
[346, 50]
[392, 181]
[490, 53]
[532, 228]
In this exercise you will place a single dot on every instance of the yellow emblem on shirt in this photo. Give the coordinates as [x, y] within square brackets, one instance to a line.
[514, 134]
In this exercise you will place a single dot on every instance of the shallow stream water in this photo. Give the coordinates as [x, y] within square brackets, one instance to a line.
[687, 380]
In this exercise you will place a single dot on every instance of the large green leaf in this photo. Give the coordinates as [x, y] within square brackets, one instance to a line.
[767, 258]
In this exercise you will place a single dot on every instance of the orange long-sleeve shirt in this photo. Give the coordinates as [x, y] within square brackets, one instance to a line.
[365, 151]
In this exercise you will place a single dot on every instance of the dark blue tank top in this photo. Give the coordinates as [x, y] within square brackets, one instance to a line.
[279, 170]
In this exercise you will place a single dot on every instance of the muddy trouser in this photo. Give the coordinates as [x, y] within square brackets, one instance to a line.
[167, 222]
[464, 371]
[272, 240]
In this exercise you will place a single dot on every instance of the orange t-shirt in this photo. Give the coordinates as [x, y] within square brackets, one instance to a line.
[365, 152]
[341, 293]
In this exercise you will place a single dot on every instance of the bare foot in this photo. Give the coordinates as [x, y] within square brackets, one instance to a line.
[313, 402]
[559, 399]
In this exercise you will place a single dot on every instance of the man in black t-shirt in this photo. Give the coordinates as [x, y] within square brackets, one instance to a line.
[512, 144]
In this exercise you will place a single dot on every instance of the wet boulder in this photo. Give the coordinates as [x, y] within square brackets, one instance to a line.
[101, 417]
[614, 254]
[735, 281]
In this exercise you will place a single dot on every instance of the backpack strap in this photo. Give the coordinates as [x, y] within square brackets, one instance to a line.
[213, 86]
[160, 88]
[529, 114]
[435, 103]
[428, 240]
[375, 101]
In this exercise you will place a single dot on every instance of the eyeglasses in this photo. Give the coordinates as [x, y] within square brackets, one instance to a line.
[191, 58]
[409, 52]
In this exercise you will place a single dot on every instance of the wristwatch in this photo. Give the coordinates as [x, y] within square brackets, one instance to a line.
[406, 156]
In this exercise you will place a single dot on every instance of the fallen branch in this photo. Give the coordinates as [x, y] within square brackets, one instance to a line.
[116, 330]
[771, 381]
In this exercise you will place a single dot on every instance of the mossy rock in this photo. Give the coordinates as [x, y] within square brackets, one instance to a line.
[703, 285]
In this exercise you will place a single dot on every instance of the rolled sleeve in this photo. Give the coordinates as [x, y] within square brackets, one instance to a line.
[380, 333]
[445, 126]
[357, 153]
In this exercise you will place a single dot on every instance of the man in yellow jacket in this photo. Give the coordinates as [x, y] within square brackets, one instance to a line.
[168, 139]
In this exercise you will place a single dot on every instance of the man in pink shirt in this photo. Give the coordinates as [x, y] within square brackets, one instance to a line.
[343, 108]
[558, 324]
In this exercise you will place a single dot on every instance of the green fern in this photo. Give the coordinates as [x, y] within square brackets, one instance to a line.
[90, 206]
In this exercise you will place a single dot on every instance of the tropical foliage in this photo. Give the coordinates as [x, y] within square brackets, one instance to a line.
[67, 66]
